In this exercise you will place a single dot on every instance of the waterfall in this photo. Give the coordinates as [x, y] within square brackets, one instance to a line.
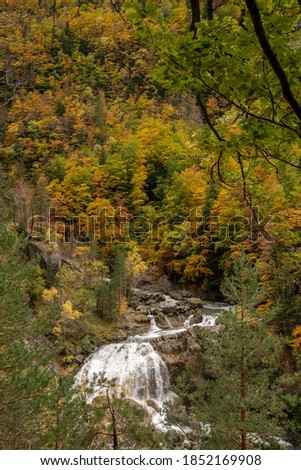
[188, 321]
[208, 320]
[153, 325]
[136, 369]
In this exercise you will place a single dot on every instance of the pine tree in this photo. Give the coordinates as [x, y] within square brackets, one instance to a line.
[238, 399]
[24, 370]
[120, 278]
[39, 409]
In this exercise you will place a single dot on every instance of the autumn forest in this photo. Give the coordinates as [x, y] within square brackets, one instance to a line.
[150, 224]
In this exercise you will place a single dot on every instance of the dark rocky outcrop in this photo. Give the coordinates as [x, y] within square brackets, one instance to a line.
[180, 352]
[50, 258]
[169, 307]
[195, 303]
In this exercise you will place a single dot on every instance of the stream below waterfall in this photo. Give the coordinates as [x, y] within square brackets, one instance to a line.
[136, 369]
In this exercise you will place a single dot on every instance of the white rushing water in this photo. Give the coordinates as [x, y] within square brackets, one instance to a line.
[208, 320]
[153, 325]
[134, 369]
[137, 370]
[188, 321]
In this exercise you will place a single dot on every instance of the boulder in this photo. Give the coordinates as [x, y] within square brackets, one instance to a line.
[168, 307]
[195, 303]
[153, 404]
[142, 309]
[133, 303]
[163, 322]
[50, 258]
[183, 308]
[155, 311]
[158, 297]
[177, 295]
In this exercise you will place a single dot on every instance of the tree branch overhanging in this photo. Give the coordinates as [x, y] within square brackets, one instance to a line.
[206, 118]
[272, 57]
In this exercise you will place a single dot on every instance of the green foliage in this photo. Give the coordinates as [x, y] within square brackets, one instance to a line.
[242, 287]
[238, 391]
[99, 119]
[37, 407]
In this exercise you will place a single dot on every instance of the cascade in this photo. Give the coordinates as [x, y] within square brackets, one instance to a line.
[134, 368]
[208, 320]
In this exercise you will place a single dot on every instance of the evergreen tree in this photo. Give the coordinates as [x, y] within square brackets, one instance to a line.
[120, 278]
[238, 399]
[24, 370]
[39, 409]
[105, 300]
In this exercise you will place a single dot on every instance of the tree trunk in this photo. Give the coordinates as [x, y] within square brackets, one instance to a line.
[242, 397]
[114, 421]
[243, 377]
[195, 15]
[54, 11]
[209, 10]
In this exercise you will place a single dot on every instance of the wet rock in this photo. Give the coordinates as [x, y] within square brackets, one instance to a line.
[180, 351]
[195, 303]
[153, 405]
[183, 308]
[158, 297]
[142, 319]
[177, 295]
[155, 311]
[144, 296]
[143, 309]
[133, 303]
[186, 294]
[149, 298]
[168, 307]
[197, 317]
[163, 322]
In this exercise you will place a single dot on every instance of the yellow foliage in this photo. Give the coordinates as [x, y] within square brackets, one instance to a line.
[49, 294]
[123, 306]
[135, 264]
[68, 312]
[296, 341]
[57, 330]
[196, 267]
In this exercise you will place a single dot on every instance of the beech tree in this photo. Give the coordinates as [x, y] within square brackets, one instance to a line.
[236, 52]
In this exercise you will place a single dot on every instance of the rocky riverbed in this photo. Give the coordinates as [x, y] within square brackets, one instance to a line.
[155, 342]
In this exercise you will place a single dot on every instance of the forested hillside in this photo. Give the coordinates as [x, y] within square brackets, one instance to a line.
[150, 147]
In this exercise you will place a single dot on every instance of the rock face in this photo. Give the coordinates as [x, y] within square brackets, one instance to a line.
[195, 303]
[168, 307]
[170, 312]
[50, 258]
[180, 352]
